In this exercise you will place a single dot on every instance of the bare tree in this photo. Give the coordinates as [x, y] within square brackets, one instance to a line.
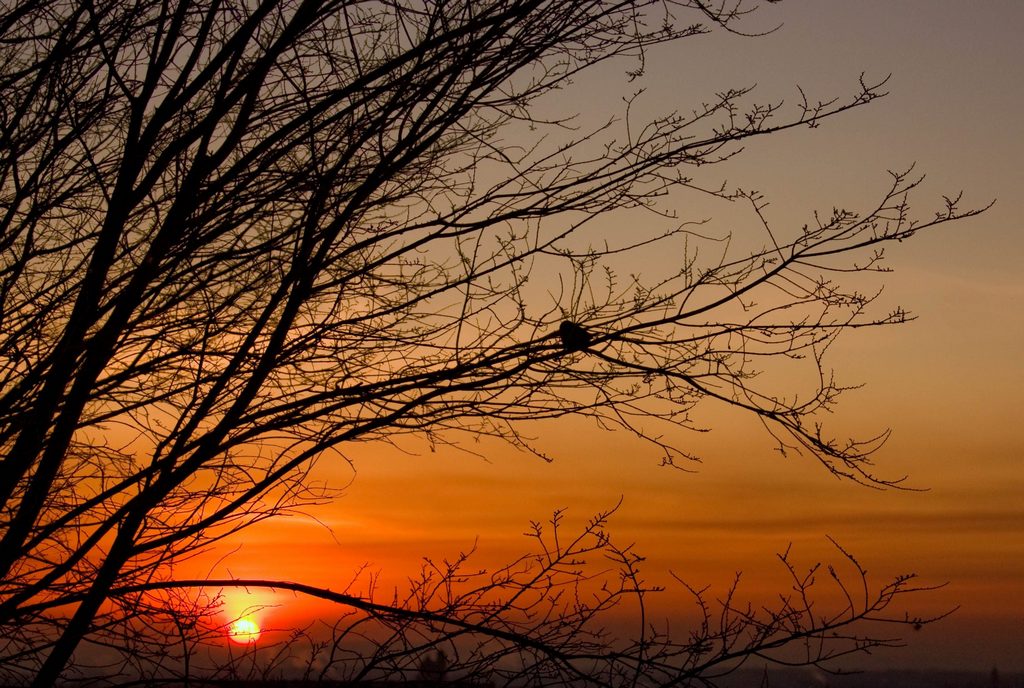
[237, 236]
[574, 611]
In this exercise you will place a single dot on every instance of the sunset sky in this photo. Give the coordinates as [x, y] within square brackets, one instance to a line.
[948, 384]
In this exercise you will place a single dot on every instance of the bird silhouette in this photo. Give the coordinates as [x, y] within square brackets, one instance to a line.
[573, 336]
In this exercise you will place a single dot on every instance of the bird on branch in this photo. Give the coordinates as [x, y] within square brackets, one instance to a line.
[573, 336]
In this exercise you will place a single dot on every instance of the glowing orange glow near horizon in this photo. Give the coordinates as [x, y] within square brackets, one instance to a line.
[948, 384]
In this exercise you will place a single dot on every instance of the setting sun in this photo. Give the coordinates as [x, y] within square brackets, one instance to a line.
[244, 630]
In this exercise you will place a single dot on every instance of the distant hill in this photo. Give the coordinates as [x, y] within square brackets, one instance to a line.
[748, 678]
[809, 678]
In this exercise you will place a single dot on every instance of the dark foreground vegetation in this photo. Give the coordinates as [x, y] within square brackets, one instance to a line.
[240, 237]
[747, 678]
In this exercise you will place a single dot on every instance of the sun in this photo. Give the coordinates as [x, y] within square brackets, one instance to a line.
[244, 630]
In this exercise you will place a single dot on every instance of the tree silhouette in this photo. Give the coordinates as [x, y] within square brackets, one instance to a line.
[541, 619]
[238, 236]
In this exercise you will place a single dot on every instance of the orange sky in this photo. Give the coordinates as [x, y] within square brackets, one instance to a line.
[949, 383]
